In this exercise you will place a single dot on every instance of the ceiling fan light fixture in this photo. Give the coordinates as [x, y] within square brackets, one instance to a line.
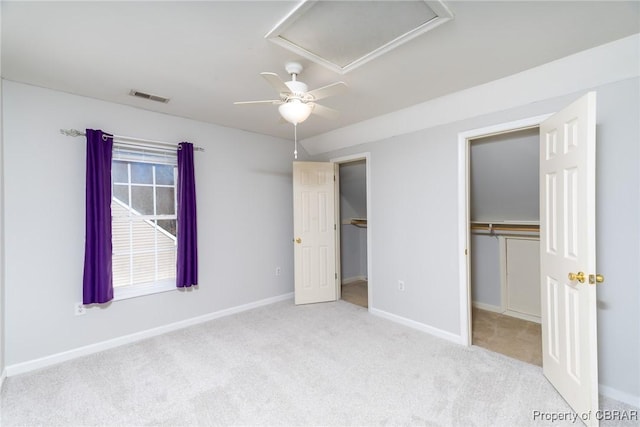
[295, 111]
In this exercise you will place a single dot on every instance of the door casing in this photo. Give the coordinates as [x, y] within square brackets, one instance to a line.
[464, 194]
[348, 159]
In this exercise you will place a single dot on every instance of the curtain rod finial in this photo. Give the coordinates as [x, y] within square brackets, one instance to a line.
[71, 132]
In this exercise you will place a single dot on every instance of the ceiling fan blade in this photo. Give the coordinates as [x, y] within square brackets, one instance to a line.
[326, 112]
[266, 101]
[329, 90]
[274, 80]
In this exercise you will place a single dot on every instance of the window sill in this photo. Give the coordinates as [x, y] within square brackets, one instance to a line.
[133, 291]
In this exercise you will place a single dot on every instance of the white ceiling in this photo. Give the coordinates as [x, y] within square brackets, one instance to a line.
[205, 55]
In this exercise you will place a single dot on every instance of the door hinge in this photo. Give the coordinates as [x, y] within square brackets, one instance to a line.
[336, 276]
[335, 227]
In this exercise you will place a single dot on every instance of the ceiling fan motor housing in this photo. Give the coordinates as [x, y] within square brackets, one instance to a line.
[297, 87]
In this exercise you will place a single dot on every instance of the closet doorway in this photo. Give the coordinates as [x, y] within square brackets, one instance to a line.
[504, 249]
[353, 230]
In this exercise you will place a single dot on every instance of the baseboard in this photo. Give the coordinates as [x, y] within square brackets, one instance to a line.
[618, 395]
[417, 325]
[20, 368]
[499, 310]
[347, 280]
[487, 307]
[523, 316]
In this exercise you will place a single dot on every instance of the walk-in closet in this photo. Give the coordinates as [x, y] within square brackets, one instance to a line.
[505, 243]
[353, 232]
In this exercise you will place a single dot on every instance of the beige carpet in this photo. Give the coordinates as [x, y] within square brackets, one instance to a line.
[356, 293]
[508, 335]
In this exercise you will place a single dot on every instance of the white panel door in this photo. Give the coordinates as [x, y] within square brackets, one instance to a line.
[314, 231]
[567, 246]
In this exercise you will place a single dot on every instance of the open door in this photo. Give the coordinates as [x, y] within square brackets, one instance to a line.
[568, 255]
[314, 232]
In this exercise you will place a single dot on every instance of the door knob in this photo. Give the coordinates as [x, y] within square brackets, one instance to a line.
[579, 276]
[298, 240]
[596, 278]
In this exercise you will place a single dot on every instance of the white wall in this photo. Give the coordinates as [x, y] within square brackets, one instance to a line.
[244, 192]
[414, 212]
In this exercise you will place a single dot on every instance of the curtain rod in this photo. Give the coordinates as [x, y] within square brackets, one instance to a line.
[75, 132]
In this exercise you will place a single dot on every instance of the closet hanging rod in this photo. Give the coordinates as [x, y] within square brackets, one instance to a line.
[125, 139]
[506, 227]
[503, 228]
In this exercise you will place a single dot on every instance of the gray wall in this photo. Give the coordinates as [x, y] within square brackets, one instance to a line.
[414, 224]
[353, 190]
[485, 271]
[245, 201]
[353, 253]
[504, 176]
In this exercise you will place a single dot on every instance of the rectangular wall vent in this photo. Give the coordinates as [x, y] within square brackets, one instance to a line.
[148, 96]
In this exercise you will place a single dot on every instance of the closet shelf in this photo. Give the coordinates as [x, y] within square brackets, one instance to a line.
[359, 222]
[506, 227]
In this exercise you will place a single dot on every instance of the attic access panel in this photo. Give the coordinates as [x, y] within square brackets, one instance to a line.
[343, 35]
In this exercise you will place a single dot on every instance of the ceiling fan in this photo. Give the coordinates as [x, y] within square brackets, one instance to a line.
[296, 101]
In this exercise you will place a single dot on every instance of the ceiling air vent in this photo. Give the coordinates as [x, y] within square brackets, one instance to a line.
[148, 96]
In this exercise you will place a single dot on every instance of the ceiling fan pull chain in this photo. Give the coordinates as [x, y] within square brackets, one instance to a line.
[295, 141]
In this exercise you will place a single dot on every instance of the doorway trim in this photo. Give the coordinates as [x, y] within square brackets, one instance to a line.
[464, 214]
[348, 159]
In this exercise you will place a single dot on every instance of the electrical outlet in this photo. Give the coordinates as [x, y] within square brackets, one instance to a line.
[278, 271]
[401, 285]
[79, 309]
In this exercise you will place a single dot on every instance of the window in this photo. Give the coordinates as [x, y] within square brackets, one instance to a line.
[144, 218]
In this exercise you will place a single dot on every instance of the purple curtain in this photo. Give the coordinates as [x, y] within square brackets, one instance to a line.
[187, 264]
[98, 275]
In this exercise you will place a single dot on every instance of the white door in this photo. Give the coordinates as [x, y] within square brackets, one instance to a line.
[568, 255]
[314, 232]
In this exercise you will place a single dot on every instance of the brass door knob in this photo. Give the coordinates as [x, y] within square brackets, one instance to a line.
[596, 278]
[579, 276]
[298, 240]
